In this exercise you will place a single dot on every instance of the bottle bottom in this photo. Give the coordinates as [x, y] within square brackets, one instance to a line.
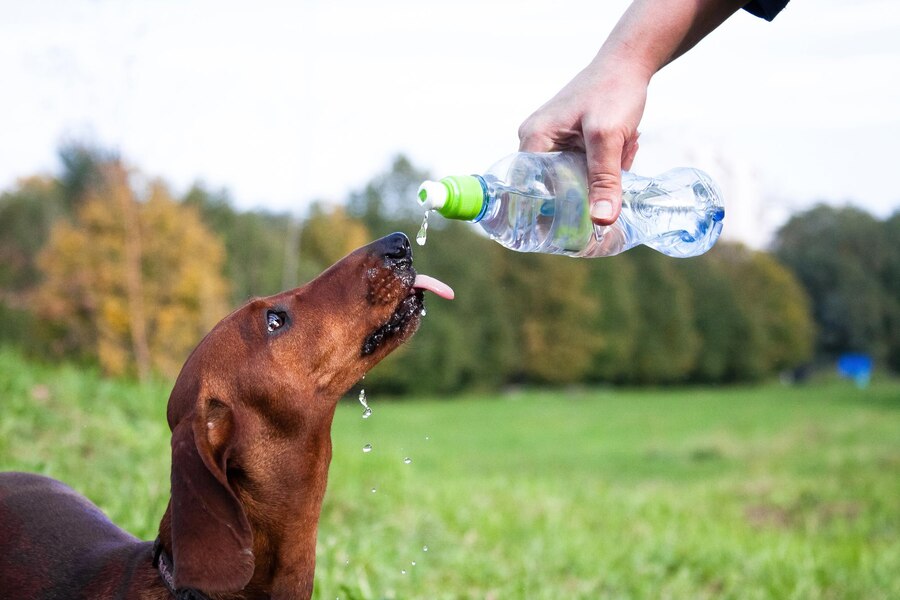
[612, 240]
[608, 241]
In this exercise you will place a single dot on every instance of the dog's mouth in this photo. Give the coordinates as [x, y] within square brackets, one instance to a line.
[410, 287]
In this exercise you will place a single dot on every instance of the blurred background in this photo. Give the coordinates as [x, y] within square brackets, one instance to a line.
[162, 162]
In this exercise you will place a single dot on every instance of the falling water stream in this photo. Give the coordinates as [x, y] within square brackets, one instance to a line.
[422, 236]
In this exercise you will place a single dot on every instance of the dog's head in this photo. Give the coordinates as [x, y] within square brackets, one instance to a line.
[251, 410]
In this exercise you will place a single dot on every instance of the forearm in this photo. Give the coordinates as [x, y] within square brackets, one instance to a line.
[653, 33]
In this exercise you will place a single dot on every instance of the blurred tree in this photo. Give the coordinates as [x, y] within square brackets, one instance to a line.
[133, 285]
[891, 280]
[839, 255]
[641, 318]
[26, 217]
[553, 305]
[183, 263]
[752, 314]
[257, 244]
[612, 284]
[27, 214]
[82, 166]
[666, 339]
[328, 235]
[388, 202]
[775, 299]
[731, 340]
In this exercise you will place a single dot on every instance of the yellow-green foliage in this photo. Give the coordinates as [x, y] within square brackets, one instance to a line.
[129, 280]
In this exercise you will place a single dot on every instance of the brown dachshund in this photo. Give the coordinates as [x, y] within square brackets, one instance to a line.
[251, 417]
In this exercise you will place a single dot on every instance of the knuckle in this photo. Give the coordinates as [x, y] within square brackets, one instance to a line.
[602, 181]
[602, 132]
[525, 129]
[532, 127]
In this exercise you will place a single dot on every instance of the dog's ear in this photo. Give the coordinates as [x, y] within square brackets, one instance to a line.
[211, 536]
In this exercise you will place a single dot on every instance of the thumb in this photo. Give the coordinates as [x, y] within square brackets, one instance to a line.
[604, 166]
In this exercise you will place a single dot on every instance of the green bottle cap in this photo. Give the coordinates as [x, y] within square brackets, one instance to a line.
[458, 197]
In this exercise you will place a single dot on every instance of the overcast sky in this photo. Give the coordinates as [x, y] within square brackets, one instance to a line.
[289, 102]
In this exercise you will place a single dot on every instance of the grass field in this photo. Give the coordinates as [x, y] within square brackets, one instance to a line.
[757, 492]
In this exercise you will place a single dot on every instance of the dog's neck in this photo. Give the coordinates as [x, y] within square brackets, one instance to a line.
[284, 532]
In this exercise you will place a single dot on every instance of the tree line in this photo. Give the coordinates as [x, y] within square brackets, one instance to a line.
[106, 266]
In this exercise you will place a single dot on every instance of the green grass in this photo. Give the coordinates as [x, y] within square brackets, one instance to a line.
[758, 492]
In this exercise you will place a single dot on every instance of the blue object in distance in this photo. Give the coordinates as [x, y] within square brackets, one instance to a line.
[856, 366]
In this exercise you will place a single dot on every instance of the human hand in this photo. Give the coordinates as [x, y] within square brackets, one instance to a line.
[597, 112]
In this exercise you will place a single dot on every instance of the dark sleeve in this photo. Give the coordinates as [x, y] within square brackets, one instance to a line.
[766, 9]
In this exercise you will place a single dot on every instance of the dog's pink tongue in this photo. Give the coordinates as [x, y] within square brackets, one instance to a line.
[425, 282]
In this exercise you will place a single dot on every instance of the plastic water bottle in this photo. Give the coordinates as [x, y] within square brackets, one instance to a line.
[537, 202]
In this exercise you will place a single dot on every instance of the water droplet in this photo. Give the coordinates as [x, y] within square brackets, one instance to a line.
[427, 437]
[367, 448]
[403, 571]
[362, 400]
[407, 460]
[423, 231]
[373, 490]
[423, 312]
[424, 548]
[413, 563]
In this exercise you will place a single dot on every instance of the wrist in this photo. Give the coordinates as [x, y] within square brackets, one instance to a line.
[626, 60]
[623, 64]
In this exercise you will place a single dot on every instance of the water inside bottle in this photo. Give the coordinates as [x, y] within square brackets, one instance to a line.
[677, 219]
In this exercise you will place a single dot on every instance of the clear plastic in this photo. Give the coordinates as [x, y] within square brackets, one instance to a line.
[537, 202]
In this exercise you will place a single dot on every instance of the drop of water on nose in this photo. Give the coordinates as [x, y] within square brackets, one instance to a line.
[422, 236]
[367, 448]
[407, 460]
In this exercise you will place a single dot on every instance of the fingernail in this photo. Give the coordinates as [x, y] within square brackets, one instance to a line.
[602, 209]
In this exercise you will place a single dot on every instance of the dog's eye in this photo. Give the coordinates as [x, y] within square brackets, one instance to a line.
[275, 320]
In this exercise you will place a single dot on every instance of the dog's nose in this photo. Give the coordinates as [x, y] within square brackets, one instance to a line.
[395, 246]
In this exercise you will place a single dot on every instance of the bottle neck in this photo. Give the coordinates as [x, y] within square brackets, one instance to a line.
[486, 198]
[467, 198]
